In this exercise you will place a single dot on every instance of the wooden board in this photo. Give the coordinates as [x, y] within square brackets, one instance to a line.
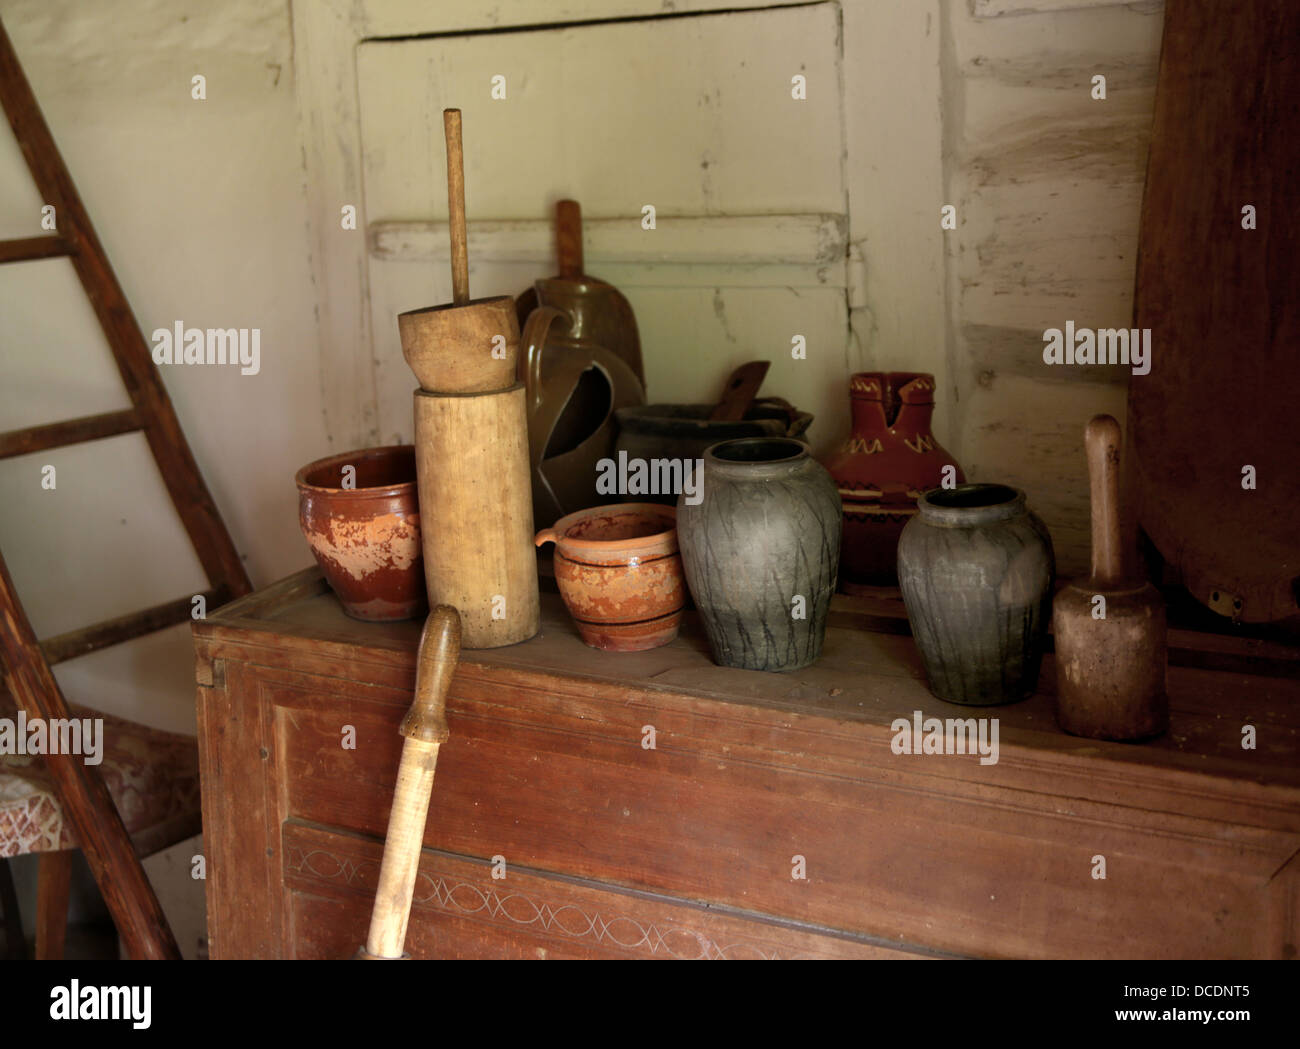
[1223, 305]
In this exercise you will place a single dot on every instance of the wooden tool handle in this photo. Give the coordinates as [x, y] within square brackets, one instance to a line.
[425, 729]
[456, 207]
[436, 660]
[739, 392]
[531, 344]
[1102, 442]
[568, 238]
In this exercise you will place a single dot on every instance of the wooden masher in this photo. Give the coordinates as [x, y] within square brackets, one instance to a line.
[1111, 655]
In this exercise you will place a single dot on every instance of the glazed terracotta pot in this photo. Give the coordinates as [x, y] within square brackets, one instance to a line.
[620, 574]
[760, 552]
[366, 538]
[881, 469]
[976, 568]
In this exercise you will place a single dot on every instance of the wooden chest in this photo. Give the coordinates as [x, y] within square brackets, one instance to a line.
[654, 805]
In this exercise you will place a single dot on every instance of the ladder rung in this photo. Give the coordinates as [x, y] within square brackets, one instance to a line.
[71, 431]
[134, 624]
[25, 249]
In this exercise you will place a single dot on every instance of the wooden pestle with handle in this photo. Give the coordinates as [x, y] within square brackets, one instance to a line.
[1111, 652]
[425, 729]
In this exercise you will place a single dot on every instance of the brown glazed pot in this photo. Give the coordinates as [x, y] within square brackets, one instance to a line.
[620, 574]
[366, 539]
[882, 468]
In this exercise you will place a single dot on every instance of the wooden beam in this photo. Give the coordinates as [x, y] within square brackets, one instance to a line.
[86, 800]
[26, 249]
[162, 429]
[89, 639]
[71, 431]
[712, 240]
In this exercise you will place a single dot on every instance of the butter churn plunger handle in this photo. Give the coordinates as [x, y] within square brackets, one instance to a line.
[425, 729]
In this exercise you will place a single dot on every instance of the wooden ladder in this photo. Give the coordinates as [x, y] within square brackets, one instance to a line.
[103, 836]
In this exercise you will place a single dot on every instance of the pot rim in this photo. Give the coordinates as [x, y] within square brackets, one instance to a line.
[448, 306]
[804, 450]
[556, 533]
[346, 458]
[1010, 505]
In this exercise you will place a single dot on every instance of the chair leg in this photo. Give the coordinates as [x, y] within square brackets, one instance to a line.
[53, 887]
[15, 944]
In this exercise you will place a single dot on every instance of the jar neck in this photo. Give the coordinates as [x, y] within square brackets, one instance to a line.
[869, 417]
[879, 401]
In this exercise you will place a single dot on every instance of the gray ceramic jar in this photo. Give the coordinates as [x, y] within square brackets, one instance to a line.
[761, 550]
[976, 568]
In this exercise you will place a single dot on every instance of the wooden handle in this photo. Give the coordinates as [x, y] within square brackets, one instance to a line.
[531, 344]
[568, 238]
[456, 207]
[1102, 443]
[436, 660]
[425, 729]
[739, 392]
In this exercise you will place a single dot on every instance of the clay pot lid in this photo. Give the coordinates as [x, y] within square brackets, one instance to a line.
[394, 457]
[659, 542]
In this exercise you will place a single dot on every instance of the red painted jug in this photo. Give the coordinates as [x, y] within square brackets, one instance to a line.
[889, 459]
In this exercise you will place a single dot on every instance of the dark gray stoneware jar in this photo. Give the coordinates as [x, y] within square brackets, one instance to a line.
[761, 551]
[976, 568]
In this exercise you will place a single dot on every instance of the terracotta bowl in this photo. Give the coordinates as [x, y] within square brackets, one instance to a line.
[367, 538]
[620, 574]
